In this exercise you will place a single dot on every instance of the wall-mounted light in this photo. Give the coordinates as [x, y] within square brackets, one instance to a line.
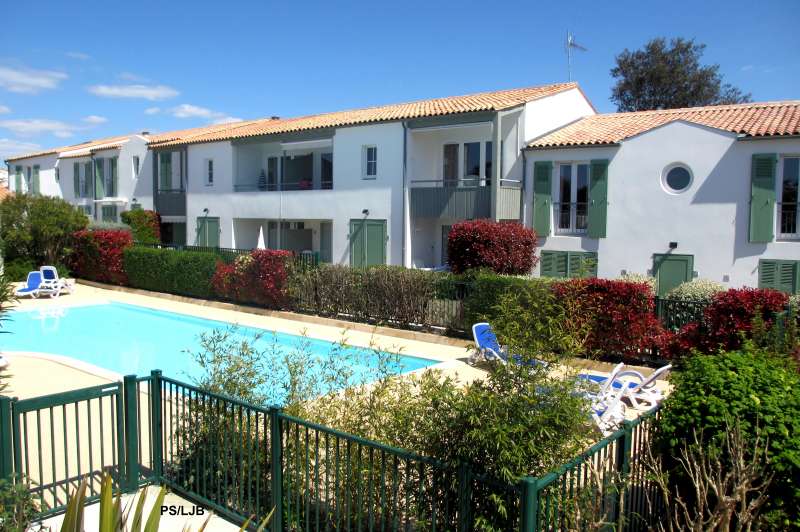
[673, 245]
[205, 211]
[365, 212]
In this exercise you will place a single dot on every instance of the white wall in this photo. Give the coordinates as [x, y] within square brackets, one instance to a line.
[546, 114]
[709, 221]
[47, 175]
[351, 194]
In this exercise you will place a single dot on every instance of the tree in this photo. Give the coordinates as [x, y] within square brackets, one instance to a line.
[38, 228]
[662, 76]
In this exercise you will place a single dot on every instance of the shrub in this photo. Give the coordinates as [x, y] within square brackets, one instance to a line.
[38, 228]
[97, 255]
[486, 290]
[145, 225]
[108, 226]
[507, 248]
[260, 278]
[761, 393]
[649, 280]
[696, 290]
[616, 316]
[17, 269]
[186, 273]
[18, 506]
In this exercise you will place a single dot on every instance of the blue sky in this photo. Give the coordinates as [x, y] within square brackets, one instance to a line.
[71, 71]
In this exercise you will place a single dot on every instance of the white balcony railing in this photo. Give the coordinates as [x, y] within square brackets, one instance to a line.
[788, 226]
[571, 218]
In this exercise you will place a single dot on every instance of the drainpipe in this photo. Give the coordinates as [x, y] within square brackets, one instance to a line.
[405, 191]
[279, 230]
[94, 186]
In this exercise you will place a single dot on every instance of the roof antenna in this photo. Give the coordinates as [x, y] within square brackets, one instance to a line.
[570, 44]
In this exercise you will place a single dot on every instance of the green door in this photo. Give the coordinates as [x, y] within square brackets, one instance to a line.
[326, 242]
[671, 270]
[367, 242]
[208, 232]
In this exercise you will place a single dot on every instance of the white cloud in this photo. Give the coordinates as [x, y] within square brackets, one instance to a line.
[27, 127]
[130, 76]
[186, 110]
[10, 147]
[227, 120]
[144, 92]
[4, 109]
[78, 55]
[29, 81]
[152, 110]
[746, 68]
[95, 119]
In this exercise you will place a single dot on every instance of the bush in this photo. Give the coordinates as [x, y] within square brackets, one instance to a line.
[260, 278]
[97, 255]
[18, 506]
[145, 225]
[757, 391]
[108, 226]
[486, 290]
[649, 280]
[507, 248]
[38, 228]
[17, 270]
[186, 273]
[616, 316]
[696, 290]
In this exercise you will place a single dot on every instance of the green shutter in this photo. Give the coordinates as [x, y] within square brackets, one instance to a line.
[87, 180]
[18, 179]
[76, 179]
[768, 274]
[598, 198]
[208, 232]
[762, 197]
[787, 276]
[35, 180]
[114, 178]
[542, 190]
[375, 236]
[554, 264]
[582, 264]
[358, 250]
[99, 179]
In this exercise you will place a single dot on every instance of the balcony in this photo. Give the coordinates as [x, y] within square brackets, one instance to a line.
[302, 184]
[788, 221]
[171, 202]
[462, 199]
[571, 218]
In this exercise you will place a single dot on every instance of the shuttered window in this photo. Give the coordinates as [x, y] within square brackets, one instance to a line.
[762, 197]
[778, 274]
[109, 213]
[568, 264]
[542, 175]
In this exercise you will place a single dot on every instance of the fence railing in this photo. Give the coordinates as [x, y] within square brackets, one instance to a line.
[244, 460]
[675, 313]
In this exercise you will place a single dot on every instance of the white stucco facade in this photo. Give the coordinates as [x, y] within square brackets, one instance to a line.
[709, 221]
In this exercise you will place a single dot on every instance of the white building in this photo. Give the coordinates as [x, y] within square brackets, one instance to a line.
[707, 192]
[372, 186]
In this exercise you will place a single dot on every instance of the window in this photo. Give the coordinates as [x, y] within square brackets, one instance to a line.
[209, 167]
[100, 178]
[272, 173]
[109, 213]
[326, 171]
[568, 264]
[487, 170]
[35, 180]
[788, 198]
[370, 162]
[86, 181]
[58, 176]
[135, 165]
[87, 209]
[18, 179]
[450, 165]
[165, 171]
[676, 179]
[472, 162]
[572, 198]
[111, 178]
[779, 275]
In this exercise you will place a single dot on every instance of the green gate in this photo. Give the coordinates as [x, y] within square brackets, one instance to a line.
[671, 270]
[367, 243]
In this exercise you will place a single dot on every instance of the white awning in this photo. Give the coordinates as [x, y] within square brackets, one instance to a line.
[307, 145]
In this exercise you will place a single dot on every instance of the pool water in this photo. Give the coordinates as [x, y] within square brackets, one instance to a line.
[129, 339]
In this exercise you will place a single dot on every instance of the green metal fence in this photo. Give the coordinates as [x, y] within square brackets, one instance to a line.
[244, 460]
[675, 313]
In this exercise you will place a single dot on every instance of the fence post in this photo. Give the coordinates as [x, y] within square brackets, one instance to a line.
[130, 394]
[624, 446]
[276, 455]
[6, 438]
[464, 496]
[155, 423]
[530, 504]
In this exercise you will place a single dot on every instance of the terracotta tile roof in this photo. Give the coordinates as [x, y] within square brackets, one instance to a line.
[190, 132]
[751, 119]
[485, 101]
[69, 149]
[5, 193]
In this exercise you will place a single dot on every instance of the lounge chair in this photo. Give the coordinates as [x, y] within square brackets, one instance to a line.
[642, 389]
[487, 345]
[608, 411]
[52, 282]
[3, 362]
[33, 285]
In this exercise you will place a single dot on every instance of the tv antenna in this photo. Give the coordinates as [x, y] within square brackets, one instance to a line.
[570, 44]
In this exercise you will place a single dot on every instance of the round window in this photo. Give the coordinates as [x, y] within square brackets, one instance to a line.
[677, 178]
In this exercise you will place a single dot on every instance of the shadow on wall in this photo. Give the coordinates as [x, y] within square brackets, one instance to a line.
[729, 182]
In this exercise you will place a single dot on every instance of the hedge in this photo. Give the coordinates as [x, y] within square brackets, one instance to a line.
[485, 291]
[259, 278]
[176, 272]
[145, 225]
[97, 255]
[502, 247]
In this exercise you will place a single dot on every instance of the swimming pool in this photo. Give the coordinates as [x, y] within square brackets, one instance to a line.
[130, 339]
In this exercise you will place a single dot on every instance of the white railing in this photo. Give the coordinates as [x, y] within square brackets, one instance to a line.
[571, 218]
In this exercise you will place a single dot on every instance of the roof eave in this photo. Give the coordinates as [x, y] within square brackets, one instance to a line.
[573, 146]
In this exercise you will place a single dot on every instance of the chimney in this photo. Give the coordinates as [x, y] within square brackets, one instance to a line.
[274, 118]
[145, 132]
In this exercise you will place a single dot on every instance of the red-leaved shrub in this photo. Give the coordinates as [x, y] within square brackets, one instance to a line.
[616, 317]
[259, 278]
[506, 248]
[97, 255]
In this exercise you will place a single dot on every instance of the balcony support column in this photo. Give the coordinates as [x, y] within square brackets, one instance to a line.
[497, 162]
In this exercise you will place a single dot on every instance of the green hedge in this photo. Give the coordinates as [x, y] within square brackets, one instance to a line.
[166, 270]
[486, 290]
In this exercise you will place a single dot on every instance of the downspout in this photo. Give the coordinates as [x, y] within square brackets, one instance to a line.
[405, 190]
[94, 186]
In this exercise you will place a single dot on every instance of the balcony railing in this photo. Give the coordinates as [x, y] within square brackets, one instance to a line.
[303, 184]
[463, 199]
[464, 182]
[571, 218]
[788, 227]
[171, 201]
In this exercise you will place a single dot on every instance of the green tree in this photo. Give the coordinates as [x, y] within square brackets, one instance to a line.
[669, 76]
[38, 228]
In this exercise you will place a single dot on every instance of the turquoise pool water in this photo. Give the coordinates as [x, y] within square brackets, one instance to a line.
[129, 339]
